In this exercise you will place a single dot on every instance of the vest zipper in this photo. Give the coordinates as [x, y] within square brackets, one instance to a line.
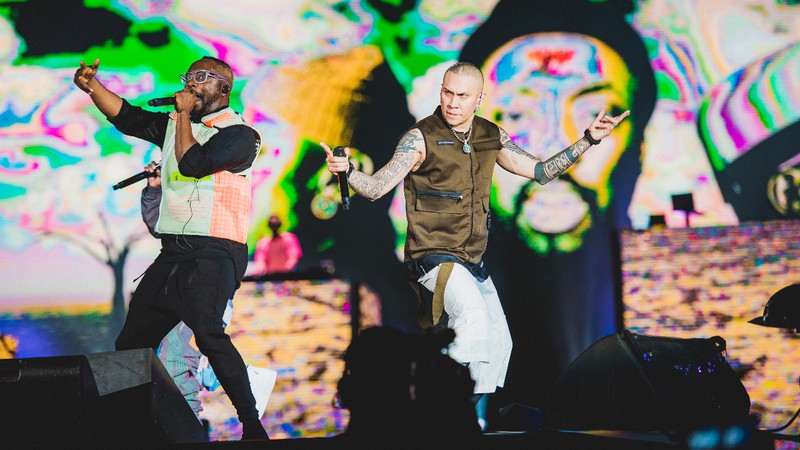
[471, 204]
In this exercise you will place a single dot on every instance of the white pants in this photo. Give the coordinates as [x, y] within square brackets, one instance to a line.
[476, 315]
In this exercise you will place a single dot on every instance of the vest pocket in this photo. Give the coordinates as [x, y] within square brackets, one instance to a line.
[483, 220]
[484, 144]
[439, 201]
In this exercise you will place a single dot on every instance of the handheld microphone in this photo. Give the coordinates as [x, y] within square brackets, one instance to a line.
[163, 101]
[343, 187]
[143, 175]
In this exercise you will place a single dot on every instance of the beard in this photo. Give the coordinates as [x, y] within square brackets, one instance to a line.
[199, 110]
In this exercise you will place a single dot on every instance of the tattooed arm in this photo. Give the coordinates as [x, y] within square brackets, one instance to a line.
[408, 155]
[519, 162]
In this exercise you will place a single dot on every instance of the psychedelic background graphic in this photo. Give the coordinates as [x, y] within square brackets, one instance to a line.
[711, 85]
[300, 329]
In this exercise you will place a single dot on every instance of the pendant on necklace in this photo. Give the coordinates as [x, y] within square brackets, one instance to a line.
[467, 148]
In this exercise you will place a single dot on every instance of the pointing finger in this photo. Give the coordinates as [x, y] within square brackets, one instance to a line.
[327, 149]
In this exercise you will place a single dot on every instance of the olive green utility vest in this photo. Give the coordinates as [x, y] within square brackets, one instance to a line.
[447, 197]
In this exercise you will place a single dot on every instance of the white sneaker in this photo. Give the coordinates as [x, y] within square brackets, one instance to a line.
[262, 381]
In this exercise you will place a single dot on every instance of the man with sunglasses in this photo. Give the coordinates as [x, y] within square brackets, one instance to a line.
[207, 155]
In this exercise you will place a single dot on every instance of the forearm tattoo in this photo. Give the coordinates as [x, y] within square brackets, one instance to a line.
[405, 156]
[560, 162]
[508, 144]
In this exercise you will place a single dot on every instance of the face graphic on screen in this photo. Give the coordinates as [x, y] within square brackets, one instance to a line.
[544, 89]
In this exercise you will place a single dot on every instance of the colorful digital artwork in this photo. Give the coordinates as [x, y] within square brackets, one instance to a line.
[711, 85]
[300, 329]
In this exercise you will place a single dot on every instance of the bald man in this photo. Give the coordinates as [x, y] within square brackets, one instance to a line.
[207, 153]
[446, 162]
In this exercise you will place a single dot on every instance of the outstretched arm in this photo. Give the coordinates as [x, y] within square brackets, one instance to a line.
[106, 101]
[518, 161]
[408, 153]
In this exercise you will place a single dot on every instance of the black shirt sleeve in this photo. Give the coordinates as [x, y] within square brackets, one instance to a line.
[135, 121]
[233, 149]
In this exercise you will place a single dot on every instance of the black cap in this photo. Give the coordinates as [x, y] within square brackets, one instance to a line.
[782, 310]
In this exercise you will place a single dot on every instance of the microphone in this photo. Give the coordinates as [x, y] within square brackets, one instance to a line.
[163, 101]
[343, 187]
[143, 175]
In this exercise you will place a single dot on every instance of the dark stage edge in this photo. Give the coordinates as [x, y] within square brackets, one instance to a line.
[547, 439]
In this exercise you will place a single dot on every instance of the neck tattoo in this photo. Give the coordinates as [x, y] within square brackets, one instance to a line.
[465, 141]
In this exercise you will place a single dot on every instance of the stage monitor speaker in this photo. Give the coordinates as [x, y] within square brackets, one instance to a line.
[634, 382]
[48, 402]
[140, 403]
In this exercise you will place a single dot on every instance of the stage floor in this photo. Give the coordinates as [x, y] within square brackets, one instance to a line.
[547, 439]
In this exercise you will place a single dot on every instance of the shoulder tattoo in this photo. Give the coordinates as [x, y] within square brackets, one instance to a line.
[410, 141]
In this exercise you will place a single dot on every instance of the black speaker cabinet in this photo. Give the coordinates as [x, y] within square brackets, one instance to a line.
[140, 403]
[48, 403]
[102, 400]
[634, 382]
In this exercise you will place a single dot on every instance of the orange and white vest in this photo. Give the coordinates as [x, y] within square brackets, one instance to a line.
[217, 205]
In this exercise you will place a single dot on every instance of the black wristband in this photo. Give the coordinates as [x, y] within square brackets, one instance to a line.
[351, 169]
[589, 137]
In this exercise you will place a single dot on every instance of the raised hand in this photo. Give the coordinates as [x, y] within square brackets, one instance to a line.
[185, 100]
[336, 164]
[603, 124]
[85, 74]
[156, 180]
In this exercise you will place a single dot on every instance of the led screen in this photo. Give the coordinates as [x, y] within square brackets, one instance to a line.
[300, 329]
[712, 281]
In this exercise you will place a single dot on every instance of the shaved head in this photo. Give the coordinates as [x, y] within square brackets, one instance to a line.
[466, 69]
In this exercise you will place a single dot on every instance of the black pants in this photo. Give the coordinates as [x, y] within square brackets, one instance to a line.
[195, 292]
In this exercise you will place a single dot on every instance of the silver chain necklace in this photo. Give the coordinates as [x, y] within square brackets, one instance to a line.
[465, 141]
